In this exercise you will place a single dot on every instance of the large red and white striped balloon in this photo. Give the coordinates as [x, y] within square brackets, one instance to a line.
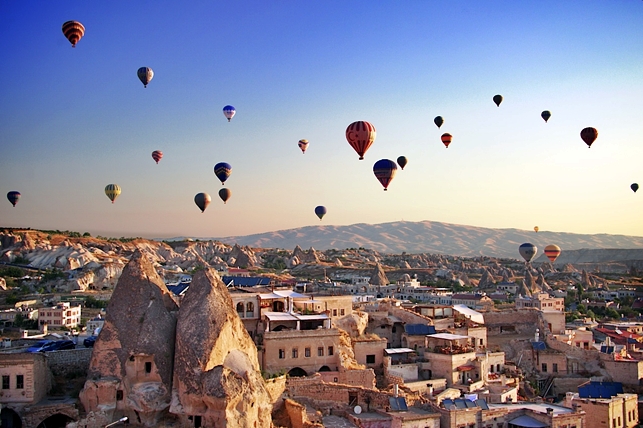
[157, 155]
[360, 136]
[74, 31]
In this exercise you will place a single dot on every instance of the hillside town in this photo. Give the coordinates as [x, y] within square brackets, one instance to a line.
[103, 332]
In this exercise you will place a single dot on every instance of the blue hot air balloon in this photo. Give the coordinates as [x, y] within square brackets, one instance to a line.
[320, 211]
[222, 170]
[384, 170]
[229, 112]
[527, 251]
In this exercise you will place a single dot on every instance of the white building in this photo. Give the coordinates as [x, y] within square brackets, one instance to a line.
[60, 316]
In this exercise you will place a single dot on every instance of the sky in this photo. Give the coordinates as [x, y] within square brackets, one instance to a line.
[73, 120]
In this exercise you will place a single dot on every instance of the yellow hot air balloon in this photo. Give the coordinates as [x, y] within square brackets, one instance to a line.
[536, 229]
[112, 191]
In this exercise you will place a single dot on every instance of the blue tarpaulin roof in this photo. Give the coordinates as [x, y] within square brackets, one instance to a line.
[419, 329]
[539, 346]
[179, 289]
[600, 389]
[245, 281]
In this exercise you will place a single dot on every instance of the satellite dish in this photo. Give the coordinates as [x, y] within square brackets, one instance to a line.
[358, 410]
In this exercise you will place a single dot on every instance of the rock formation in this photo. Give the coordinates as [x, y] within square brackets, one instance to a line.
[378, 277]
[216, 370]
[130, 372]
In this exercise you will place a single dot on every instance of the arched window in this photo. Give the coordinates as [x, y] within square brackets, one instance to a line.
[250, 307]
[239, 307]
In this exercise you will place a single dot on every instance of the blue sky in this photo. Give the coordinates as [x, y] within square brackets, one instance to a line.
[74, 120]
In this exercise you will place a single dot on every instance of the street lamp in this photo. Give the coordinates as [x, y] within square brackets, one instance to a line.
[123, 419]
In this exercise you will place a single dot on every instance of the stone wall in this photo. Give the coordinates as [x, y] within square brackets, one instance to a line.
[524, 321]
[65, 362]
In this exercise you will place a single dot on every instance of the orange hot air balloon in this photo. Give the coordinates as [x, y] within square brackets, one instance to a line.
[552, 252]
[74, 31]
[157, 155]
[536, 229]
[360, 136]
[589, 135]
[446, 139]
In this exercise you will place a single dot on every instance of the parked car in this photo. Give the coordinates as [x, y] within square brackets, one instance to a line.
[59, 345]
[38, 346]
[89, 342]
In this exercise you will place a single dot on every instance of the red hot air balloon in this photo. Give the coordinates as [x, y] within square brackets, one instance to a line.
[446, 139]
[384, 170]
[360, 136]
[13, 197]
[552, 252]
[74, 31]
[157, 155]
[589, 135]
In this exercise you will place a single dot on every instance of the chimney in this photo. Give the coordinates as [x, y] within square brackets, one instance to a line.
[550, 411]
[396, 390]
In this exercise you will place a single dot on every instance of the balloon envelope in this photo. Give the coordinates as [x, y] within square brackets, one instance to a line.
[545, 115]
[229, 112]
[13, 197]
[384, 170]
[536, 229]
[222, 170]
[303, 145]
[112, 191]
[438, 121]
[145, 75]
[320, 211]
[589, 135]
[202, 200]
[225, 194]
[552, 252]
[634, 187]
[360, 136]
[402, 161]
[446, 139]
[527, 251]
[74, 31]
[497, 99]
[157, 155]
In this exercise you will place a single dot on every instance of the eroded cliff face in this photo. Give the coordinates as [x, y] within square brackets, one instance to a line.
[130, 372]
[216, 369]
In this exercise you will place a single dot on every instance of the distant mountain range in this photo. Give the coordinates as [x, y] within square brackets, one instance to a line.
[432, 237]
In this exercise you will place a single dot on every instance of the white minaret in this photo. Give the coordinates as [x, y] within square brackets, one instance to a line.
[537, 335]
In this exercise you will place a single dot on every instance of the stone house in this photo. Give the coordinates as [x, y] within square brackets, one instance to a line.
[26, 379]
[369, 351]
[59, 316]
[541, 301]
[478, 302]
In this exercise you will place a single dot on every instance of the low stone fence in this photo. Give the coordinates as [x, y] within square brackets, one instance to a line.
[65, 362]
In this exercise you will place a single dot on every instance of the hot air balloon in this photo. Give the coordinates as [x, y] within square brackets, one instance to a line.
[229, 112]
[536, 229]
[446, 139]
[13, 197]
[497, 99]
[634, 187]
[222, 170]
[303, 145]
[545, 115]
[202, 200]
[74, 31]
[384, 170]
[402, 161]
[527, 251]
[320, 211]
[360, 136]
[225, 194]
[112, 191]
[438, 121]
[552, 252]
[589, 135]
[157, 155]
[145, 74]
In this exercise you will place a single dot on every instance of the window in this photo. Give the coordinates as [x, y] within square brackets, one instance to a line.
[334, 312]
[250, 307]
[554, 368]
[295, 353]
[342, 312]
[148, 367]
[320, 351]
[544, 368]
[330, 350]
[239, 307]
[119, 395]
[307, 352]
[370, 359]
[481, 342]
[393, 329]
[282, 354]
[5, 381]
[20, 381]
